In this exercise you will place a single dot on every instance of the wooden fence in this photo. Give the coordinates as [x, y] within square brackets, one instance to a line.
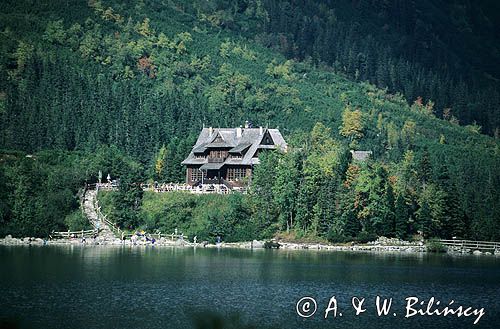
[73, 234]
[472, 245]
[157, 236]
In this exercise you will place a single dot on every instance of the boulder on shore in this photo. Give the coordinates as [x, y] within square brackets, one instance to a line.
[257, 244]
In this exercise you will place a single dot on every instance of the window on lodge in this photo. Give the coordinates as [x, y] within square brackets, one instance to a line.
[218, 154]
[199, 156]
[196, 175]
[267, 140]
[236, 173]
[236, 156]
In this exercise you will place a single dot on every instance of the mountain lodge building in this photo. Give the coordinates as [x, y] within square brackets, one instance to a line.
[227, 155]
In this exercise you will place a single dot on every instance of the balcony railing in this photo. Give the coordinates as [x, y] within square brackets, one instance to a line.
[216, 160]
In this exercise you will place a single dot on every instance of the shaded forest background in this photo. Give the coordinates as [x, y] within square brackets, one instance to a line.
[125, 89]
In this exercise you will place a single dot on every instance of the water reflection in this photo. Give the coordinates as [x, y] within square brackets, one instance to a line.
[123, 286]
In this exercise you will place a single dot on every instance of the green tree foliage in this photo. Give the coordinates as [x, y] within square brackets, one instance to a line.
[348, 214]
[55, 32]
[401, 218]
[127, 201]
[262, 191]
[285, 188]
[77, 221]
[39, 191]
[376, 200]
[161, 163]
[352, 124]
[387, 43]
[431, 213]
[5, 190]
[205, 217]
[424, 220]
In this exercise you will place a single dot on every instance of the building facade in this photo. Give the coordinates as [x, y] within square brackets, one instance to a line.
[228, 155]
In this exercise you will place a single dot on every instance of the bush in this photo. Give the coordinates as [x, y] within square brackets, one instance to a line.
[76, 221]
[365, 237]
[336, 237]
[204, 216]
[433, 245]
[271, 245]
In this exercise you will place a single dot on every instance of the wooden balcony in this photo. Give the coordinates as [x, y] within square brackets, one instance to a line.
[216, 160]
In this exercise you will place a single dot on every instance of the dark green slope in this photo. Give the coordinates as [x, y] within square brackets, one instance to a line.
[294, 98]
[446, 51]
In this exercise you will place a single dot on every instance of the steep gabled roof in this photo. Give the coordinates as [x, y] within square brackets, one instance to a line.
[278, 139]
[221, 138]
[245, 143]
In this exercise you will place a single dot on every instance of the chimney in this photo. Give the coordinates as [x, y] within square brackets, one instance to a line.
[246, 124]
[261, 130]
[210, 131]
[238, 132]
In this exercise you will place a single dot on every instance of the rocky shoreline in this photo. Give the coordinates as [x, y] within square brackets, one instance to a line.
[381, 245]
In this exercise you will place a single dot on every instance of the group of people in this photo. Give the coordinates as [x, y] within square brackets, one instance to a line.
[94, 237]
[168, 187]
[138, 235]
[200, 188]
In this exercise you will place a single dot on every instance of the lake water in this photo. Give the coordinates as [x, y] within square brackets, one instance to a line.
[145, 287]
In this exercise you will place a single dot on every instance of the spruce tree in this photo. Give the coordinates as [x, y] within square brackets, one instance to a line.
[401, 217]
[389, 224]
[424, 219]
[128, 200]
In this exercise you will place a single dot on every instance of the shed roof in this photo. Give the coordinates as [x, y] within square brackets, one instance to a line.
[361, 155]
[212, 166]
[240, 148]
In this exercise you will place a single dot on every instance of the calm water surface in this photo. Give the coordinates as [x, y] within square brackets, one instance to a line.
[115, 287]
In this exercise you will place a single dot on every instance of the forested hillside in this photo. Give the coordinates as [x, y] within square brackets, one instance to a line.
[126, 87]
[443, 51]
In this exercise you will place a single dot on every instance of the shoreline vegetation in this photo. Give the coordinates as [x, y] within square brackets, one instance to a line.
[382, 244]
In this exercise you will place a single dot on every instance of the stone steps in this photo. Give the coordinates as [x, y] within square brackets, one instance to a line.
[89, 202]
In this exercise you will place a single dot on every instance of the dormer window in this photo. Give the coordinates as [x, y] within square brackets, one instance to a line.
[267, 139]
[218, 139]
